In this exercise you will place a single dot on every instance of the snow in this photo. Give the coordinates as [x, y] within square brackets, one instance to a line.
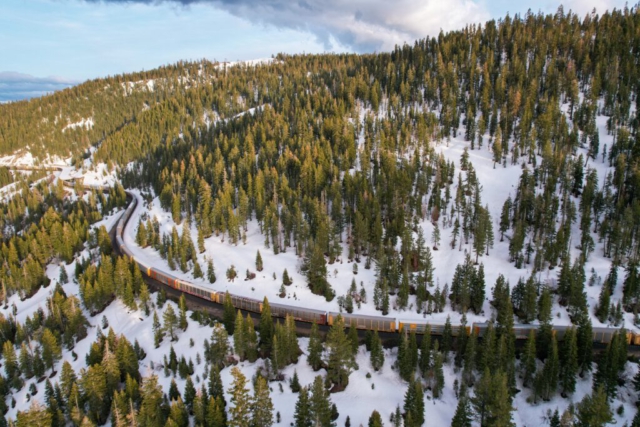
[357, 401]
[82, 123]
[498, 183]
[248, 63]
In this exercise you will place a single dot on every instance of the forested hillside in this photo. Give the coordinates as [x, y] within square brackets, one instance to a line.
[491, 172]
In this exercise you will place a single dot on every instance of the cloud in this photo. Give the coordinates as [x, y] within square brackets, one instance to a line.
[361, 25]
[17, 86]
[582, 7]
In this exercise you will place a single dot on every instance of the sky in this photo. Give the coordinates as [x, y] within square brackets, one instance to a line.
[47, 45]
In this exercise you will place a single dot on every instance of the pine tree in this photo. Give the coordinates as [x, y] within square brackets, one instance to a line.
[546, 381]
[239, 338]
[266, 327]
[150, 413]
[302, 415]
[240, 412]
[341, 358]
[228, 314]
[286, 280]
[377, 352]
[211, 271]
[375, 420]
[182, 323]
[405, 367]
[438, 385]
[414, 404]
[178, 414]
[216, 416]
[602, 309]
[259, 265]
[320, 404]
[251, 339]
[216, 389]
[315, 348]
[145, 297]
[585, 345]
[36, 416]
[189, 393]
[174, 393]
[158, 332]
[262, 406]
[463, 415]
[594, 410]
[170, 321]
[569, 362]
[528, 359]
[11, 367]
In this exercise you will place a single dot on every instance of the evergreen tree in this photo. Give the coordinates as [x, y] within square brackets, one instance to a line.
[170, 321]
[259, 265]
[302, 415]
[158, 332]
[438, 385]
[320, 404]
[546, 381]
[189, 394]
[266, 327]
[341, 358]
[594, 410]
[585, 345]
[211, 271]
[569, 362]
[239, 336]
[215, 383]
[228, 314]
[315, 348]
[36, 416]
[377, 352]
[528, 359]
[414, 405]
[463, 415]
[262, 407]
[182, 322]
[240, 412]
[375, 420]
[150, 413]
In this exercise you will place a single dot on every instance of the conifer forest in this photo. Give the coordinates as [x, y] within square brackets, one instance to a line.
[487, 176]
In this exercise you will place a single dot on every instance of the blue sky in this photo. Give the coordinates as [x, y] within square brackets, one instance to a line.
[49, 44]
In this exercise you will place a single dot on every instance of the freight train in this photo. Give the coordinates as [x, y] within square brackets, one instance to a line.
[601, 335]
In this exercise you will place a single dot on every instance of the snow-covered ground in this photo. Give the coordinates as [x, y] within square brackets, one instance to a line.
[359, 399]
[498, 184]
[383, 391]
[25, 159]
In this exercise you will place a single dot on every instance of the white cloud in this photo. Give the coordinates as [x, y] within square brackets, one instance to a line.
[362, 25]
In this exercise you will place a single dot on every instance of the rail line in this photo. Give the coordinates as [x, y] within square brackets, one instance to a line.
[382, 324]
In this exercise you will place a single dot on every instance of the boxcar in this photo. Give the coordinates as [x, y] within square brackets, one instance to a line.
[361, 321]
[298, 313]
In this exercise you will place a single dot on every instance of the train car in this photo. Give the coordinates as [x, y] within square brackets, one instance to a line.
[480, 328]
[125, 250]
[196, 290]
[604, 335]
[361, 321]
[522, 331]
[162, 277]
[420, 327]
[242, 303]
[298, 313]
[143, 267]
